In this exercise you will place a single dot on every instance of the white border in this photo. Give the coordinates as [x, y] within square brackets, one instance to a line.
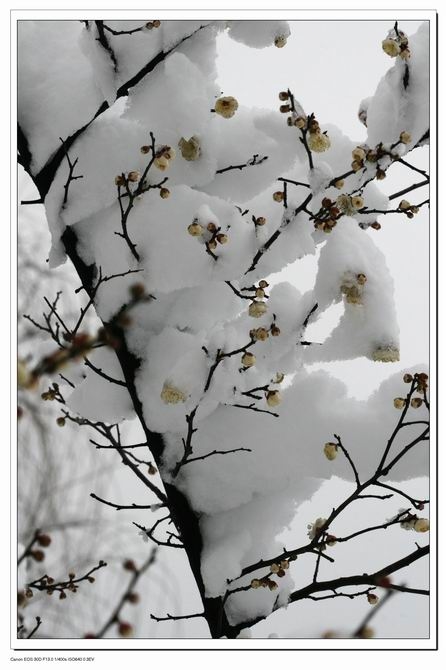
[216, 14]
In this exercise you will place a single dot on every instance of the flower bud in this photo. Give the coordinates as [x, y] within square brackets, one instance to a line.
[164, 193]
[263, 284]
[280, 41]
[195, 229]
[38, 555]
[339, 183]
[278, 196]
[284, 109]
[272, 585]
[416, 403]
[255, 583]
[361, 279]
[283, 95]
[129, 565]
[261, 334]
[300, 122]
[399, 403]
[120, 180]
[273, 398]
[405, 137]
[380, 174]
[248, 359]
[134, 175]
[152, 470]
[274, 568]
[275, 330]
[358, 154]
[404, 204]
[260, 221]
[407, 378]
[375, 225]
[125, 629]
[60, 421]
[372, 598]
[222, 238]
[145, 149]
[331, 450]
[43, 540]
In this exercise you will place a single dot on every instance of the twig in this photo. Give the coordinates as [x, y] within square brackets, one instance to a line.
[36, 627]
[170, 617]
[114, 617]
[255, 160]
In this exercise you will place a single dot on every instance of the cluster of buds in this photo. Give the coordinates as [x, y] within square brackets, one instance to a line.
[396, 44]
[190, 149]
[386, 354]
[150, 25]
[163, 156]
[327, 217]
[264, 582]
[413, 522]
[314, 529]
[280, 569]
[421, 380]
[358, 157]
[80, 345]
[408, 209]
[352, 287]
[226, 106]
[349, 204]
[132, 177]
[171, 395]
[210, 235]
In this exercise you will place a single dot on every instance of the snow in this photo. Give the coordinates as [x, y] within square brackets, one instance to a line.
[257, 34]
[393, 109]
[57, 93]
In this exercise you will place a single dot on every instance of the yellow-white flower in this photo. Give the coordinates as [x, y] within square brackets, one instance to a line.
[190, 149]
[172, 395]
[386, 355]
[226, 106]
[257, 309]
[391, 47]
[318, 142]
